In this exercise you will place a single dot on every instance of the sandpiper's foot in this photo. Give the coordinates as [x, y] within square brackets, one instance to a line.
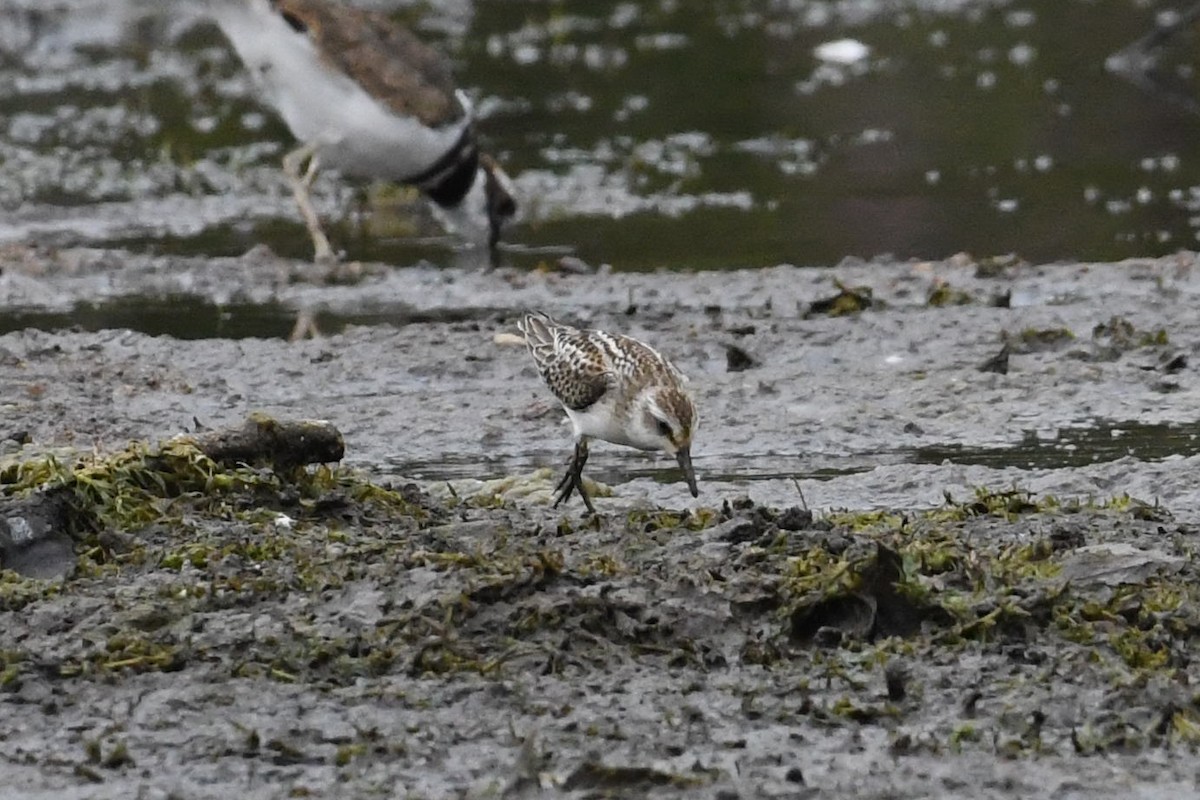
[305, 327]
[573, 479]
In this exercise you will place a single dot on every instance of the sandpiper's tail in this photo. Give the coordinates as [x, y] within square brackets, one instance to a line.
[537, 327]
[541, 333]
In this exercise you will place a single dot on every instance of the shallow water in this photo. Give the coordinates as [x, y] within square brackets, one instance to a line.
[1092, 442]
[642, 135]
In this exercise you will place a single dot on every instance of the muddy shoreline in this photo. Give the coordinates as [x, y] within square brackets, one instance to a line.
[449, 635]
[883, 408]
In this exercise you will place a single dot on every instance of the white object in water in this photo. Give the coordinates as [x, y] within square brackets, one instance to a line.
[842, 51]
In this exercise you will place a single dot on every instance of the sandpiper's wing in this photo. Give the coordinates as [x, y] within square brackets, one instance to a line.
[385, 58]
[579, 366]
[637, 361]
[571, 363]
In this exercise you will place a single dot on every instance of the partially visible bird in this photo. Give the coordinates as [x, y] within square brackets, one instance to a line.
[614, 388]
[364, 96]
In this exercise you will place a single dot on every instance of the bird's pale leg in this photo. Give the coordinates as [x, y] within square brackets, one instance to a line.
[305, 327]
[573, 480]
[301, 183]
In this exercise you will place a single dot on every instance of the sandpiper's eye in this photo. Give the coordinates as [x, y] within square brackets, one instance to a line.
[664, 429]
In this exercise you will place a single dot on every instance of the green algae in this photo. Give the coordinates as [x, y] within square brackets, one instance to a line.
[1121, 334]
[1037, 340]
[942, 294]
[17, 591]
[458, 591]
[848, 300]
[975, 590]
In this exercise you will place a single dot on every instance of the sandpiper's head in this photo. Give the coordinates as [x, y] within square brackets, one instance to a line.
[664, 418]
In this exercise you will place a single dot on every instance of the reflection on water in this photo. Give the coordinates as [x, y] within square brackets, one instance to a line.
[192, 317]
[642, 134]
[1099, 442]
[616, 467]
[183, 317]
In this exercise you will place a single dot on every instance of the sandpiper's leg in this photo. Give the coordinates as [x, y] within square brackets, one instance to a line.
[301, 183]
[305, 327]
[573, 480]
[493, 247]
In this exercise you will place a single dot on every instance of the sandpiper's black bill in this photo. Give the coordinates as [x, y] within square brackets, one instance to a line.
[684, 456]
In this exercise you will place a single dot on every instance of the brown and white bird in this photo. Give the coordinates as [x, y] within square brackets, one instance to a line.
[364, 96]
[614, 388]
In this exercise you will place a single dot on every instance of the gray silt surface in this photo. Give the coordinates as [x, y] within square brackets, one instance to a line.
[854, 407]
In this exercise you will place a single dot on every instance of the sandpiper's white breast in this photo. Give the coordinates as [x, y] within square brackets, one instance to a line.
[601, 421]
[359, 135]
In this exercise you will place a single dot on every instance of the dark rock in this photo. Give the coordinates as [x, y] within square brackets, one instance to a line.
[895, 675]
[1175, 363]
[795, 519]
[735, 531]
[997, 363]
[737, 359]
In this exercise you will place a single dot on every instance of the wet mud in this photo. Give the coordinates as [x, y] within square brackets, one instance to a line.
[906, 575]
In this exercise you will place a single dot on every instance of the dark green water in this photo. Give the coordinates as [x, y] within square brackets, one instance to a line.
[1017, 147]
[188, 316]
[657, 134]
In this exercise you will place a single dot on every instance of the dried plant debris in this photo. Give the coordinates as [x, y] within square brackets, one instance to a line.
[848, 300]
[282, 444]
[47, 505]
[870, 604]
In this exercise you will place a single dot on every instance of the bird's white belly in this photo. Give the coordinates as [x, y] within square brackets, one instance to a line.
[358, 135]
[599, 422]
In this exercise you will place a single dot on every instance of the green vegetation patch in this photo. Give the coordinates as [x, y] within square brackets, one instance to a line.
[846, 301]
[325, 578]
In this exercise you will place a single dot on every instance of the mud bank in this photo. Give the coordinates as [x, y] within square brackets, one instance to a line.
[420, 622]
[887, 407]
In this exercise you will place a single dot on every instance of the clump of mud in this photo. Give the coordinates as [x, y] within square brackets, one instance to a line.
[253, 628]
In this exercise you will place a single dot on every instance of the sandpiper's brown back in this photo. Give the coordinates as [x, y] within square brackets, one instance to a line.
[580, 366]
[383, 56]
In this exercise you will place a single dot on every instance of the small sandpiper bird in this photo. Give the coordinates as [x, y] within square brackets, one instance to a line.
[364, 96]
[613, 388]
